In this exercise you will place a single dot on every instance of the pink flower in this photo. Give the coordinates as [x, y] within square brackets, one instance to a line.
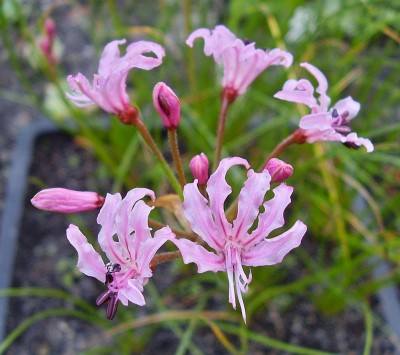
[236, 244]
[129, 253]
[67, 201]
[323, 124]
[279, 170]
[167, 105]
[199, 167]
[242, 62]
[108, 90]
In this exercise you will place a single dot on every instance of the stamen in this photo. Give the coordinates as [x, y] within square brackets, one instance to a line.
[335, 114]
[112, 307]
[104, 297]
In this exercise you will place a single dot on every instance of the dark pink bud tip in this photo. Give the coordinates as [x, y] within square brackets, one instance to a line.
[167, 105]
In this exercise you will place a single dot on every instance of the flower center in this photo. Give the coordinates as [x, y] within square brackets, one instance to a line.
[341, 122]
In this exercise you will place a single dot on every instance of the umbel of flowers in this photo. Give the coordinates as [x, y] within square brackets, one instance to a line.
[219, 240]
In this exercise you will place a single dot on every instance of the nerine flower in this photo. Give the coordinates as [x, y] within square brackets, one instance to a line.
[242, 61]
[129, 253]
[237, 244]
[323, 124]
[108, 90]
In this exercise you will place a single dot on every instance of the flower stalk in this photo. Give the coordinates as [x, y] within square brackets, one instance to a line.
[173, 142]
[225, 102]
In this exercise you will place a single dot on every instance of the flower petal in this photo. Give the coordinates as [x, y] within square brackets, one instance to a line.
[89, 261]
[272, 251]
[194, 253]
[135, 58]
[299, 91]
[347, 105]
[149, 248]
[132, 292]
[110, 56]
[218, 190]
[250, 199]
[353, 138]
[272, 217]
[322, 85]
[197, 212]
[320, 121]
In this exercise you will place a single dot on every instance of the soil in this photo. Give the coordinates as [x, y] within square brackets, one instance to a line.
[45, 259]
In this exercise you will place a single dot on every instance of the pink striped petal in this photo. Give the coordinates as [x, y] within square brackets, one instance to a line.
[109, 58]
[272, 251]
[89, 261]
[322, 85]
[197, 212]
[353, 138]
[132, 292]
[218, 190]
[250, 199]
[194, 253]
[272, 218]
[299, 91]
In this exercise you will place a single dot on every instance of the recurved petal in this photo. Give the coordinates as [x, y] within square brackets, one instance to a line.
[197, 212]
[135, 58]
[348, 105]
[322, 85]
[199, 33]
[272, 251]
[89, 261]
[110, 55]
[218, 190]
[272, 217]
[353, 138]
[250, 199]
[194, 253]
[299, 91]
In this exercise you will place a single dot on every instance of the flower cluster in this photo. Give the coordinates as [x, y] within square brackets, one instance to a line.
[218, 240]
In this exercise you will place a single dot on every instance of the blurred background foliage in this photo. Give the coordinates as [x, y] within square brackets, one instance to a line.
[349, 199]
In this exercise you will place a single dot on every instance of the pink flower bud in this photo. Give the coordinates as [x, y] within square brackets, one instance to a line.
[47, 41]
[167, 105]
[67, 201]
[278, 169]
[50, 29]
[199, 168]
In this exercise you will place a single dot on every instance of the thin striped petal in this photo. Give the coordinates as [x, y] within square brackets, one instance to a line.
[272, 251]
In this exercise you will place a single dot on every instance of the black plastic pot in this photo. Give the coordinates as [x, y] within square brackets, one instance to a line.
[14, 205]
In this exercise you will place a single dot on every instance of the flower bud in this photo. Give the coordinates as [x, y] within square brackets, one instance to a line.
[167, 105]
[199, 168]
[278, 169]
[67, 201]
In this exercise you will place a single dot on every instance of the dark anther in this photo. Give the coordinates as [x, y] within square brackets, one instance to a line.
[109, 278]
[104, 297]
[351, 145]
[335, 114]
[112, 307]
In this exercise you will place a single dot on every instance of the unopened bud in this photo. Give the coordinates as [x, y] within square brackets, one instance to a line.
[50, 29]
[47, 41]
[67, 201]
[279, 170]
[199, 168]
[167, 105]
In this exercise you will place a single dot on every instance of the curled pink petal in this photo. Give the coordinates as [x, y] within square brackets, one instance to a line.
[272, 251]
[323, 124]
[108, 90]
[242, 62]
[89, 261]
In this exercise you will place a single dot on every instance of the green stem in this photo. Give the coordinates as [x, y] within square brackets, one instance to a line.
[173, 142]
[159, 156]
[221, 128]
